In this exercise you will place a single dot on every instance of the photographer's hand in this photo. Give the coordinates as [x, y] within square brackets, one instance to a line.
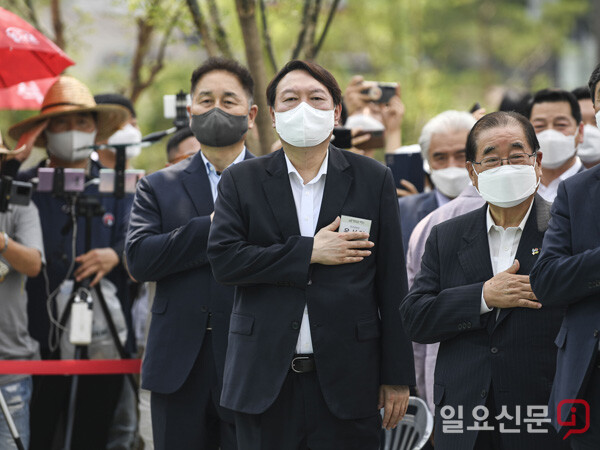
[354, 99]
[99, 261]
[27, 140]
[393, 115]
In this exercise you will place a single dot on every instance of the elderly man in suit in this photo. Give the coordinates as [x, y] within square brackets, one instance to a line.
[442, 143]
[496, 357]
[568, 274]
[315, 343]
[166, 243]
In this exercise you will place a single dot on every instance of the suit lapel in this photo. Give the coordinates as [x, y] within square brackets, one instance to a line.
[595, 194]
[529, 248]
[474, 253]
[337, 185]
[279, 195]
[196, 183]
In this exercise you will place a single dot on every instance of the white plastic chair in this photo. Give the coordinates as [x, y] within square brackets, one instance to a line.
[414, 429]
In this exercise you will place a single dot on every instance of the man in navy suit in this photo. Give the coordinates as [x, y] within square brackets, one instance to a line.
[166, 243]
[315, 342]
[568, 274]
[442, 143]
[496, 357]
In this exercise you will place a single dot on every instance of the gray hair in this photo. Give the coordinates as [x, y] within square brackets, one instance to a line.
[444, 122]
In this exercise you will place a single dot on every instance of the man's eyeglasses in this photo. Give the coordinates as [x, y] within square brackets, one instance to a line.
[492, 162]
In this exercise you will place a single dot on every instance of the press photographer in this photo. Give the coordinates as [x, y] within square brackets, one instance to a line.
[69, 123]
[21, 256]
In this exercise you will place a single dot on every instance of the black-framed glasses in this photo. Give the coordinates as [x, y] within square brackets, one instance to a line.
[492, 162]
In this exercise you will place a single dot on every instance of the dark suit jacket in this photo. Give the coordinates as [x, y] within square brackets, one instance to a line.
[255, 244]
[568, 273]
[513, 355]
[166, 243]
[413, 209]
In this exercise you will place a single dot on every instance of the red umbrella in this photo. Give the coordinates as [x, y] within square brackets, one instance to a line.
[25, 95]
[25, 53]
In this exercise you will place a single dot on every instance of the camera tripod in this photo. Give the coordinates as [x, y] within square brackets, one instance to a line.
[88, 207]
[11, 424]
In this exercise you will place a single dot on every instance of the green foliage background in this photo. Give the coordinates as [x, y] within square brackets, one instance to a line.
[446, 54]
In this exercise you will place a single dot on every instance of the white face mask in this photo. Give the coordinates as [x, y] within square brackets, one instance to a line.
[304, 126]
[127, 135]
[68, 145]
[556, 148]
[508, 185]
[450, 181]
[589, 149]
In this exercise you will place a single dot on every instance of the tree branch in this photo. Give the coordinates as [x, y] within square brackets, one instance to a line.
[267, 36]
[201, 28]
[221, 36]
[312, 29]
[319, 44]
[57, 24]
[302, 34]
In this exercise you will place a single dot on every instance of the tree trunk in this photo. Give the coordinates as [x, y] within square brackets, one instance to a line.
[254, 55]
[209, 44]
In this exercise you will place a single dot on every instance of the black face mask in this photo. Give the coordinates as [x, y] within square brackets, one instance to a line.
[216, 128]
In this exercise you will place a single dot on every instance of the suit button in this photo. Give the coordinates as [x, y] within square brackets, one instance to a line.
[494, 350]
[483, 393]
[295, 325]
[595, 333]
[204, 308]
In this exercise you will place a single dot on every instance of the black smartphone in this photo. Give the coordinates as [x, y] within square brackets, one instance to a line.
[475, 107]
[407, 166]
[342, 137]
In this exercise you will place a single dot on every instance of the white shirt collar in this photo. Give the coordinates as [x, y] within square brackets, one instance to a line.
[322, 170]
[490, 221]
[210, 168]
[571, 170]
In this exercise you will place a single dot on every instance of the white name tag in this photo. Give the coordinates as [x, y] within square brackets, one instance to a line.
[354, 225]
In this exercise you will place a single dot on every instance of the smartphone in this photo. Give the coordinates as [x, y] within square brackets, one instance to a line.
[73, 180]
[107, 180]
[377, 140]
[475, 107]
[407, 166]
[342, 137]
[381, 92]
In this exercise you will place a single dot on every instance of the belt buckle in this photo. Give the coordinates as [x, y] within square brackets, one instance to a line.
[298, 358]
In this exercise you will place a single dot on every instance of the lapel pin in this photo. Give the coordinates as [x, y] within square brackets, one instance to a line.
[535, 251]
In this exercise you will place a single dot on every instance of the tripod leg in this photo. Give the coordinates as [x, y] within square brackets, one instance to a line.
[72, 402]
[11, 424]
[115, 335]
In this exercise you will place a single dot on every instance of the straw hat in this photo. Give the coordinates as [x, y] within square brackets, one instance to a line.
[69, 95]
[4, 150]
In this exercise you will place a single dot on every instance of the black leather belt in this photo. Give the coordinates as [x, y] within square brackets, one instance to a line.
[303, 363]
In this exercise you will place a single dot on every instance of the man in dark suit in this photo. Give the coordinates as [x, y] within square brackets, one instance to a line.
[166, 243]
[315, 342]
[472, 294]
[442, 143]
[556, 117]
[568, 274]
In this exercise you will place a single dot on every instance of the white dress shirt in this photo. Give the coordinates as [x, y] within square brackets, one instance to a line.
[503, 248]
[213, 176]
[549, 192]
[308, 198]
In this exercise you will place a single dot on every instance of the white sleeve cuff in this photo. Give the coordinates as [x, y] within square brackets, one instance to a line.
[484, 307]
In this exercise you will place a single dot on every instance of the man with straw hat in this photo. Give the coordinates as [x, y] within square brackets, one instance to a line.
[21, 256]
[69, 123]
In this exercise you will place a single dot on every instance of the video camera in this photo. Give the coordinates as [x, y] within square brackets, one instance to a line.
[14, 193]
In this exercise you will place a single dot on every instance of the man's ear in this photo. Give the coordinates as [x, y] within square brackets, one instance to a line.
[337, 114]
[472, 174]
[252, 116]
[272, 113]
[579, 134]
[188, 108]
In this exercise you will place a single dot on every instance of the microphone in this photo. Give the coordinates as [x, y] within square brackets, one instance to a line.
[158, 135]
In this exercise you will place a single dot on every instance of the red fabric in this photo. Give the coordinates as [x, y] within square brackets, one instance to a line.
[70, 367]
[25, 53]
